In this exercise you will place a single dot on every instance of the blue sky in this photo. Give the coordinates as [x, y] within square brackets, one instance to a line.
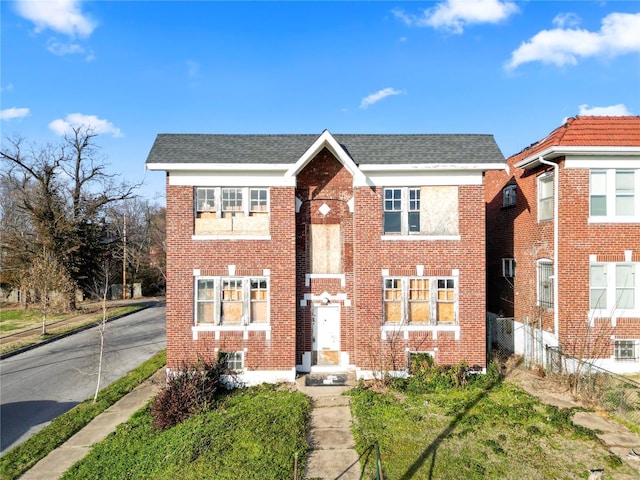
[131, 70]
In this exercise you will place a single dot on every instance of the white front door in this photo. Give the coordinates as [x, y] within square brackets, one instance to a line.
[326, 335]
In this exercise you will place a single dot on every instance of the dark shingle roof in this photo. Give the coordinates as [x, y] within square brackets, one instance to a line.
[369, 149]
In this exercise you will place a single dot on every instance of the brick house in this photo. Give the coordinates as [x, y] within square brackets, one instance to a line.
[300, 253]
[566, 217]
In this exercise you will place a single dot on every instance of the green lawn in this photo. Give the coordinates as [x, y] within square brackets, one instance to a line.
[486, 430]
[253, 433]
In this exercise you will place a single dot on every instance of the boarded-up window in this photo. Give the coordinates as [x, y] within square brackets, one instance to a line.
[259, 198]
[326, 248]
[231, 305]
[231, 211]
[419, 300]
[231, 202]
[393, 299]
[439, 210]
[446, 300]
[206, 301]
[429, 210]
[258, 300]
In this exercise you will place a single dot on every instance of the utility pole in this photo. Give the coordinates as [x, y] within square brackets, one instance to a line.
[124, 259]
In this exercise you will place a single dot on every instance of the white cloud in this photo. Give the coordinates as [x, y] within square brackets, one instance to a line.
[619, 34]
[619, 110]
[62, 16]
[61, 49]
[75, 120]
[566, 19]
[454, 15]
[11, 113]
[379, 95]
[8, 88]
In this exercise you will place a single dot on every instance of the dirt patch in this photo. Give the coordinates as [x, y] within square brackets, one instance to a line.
[547, 390]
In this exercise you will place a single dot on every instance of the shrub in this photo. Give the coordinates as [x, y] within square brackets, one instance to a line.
[425, 376]
[191, 390]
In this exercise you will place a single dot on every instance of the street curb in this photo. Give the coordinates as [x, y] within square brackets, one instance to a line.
[69, 333]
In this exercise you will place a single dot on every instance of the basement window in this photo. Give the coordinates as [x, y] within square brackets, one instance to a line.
[234, 361]
[626, 350]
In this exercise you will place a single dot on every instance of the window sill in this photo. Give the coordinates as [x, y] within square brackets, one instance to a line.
[405, 329]
[613, 316]
[597, 220]
[230, 237]
[245, 329]
[419, 237]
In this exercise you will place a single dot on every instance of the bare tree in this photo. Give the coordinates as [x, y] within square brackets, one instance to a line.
[102, 288]
[63, 190]
[49, 284]
[143, 257]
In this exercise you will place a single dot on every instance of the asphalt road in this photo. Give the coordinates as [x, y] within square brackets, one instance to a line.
[39, 385]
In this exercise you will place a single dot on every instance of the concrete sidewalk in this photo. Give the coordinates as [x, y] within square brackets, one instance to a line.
[54, 465]
[332, 455]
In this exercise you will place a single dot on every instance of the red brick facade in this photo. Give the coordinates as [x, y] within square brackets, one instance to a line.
[584, 240]
[327, 194]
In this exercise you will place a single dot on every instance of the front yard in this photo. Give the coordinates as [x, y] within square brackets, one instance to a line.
[424, 428]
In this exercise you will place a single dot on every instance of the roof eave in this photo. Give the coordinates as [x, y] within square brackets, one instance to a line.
[218, 167]
[433, 167]
[554, 152]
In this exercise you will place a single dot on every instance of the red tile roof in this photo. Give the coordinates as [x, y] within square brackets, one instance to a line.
[588, 131]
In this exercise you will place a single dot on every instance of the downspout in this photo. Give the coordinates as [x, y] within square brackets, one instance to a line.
[556, 223]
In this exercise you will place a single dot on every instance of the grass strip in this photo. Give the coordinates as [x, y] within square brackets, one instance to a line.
[54, 331]
[18, 460]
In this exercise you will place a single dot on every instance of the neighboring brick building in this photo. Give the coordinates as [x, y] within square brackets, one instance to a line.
[299, 253]
[578, 189]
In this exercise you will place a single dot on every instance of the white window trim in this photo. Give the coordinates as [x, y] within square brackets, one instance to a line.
[544, 178]
[245, 325]
[611, 311]
[246, 199]
[433, 303]
[636, 349]
[242, 369]
[611, 217]
[246, 210]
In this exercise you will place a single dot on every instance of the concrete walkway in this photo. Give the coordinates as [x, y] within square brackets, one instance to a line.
[332, 455]
[620, 441]
[53, 466]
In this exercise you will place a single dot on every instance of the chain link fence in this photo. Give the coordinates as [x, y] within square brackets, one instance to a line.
[596, 387]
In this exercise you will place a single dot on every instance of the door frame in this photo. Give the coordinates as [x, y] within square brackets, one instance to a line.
[317, 359]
